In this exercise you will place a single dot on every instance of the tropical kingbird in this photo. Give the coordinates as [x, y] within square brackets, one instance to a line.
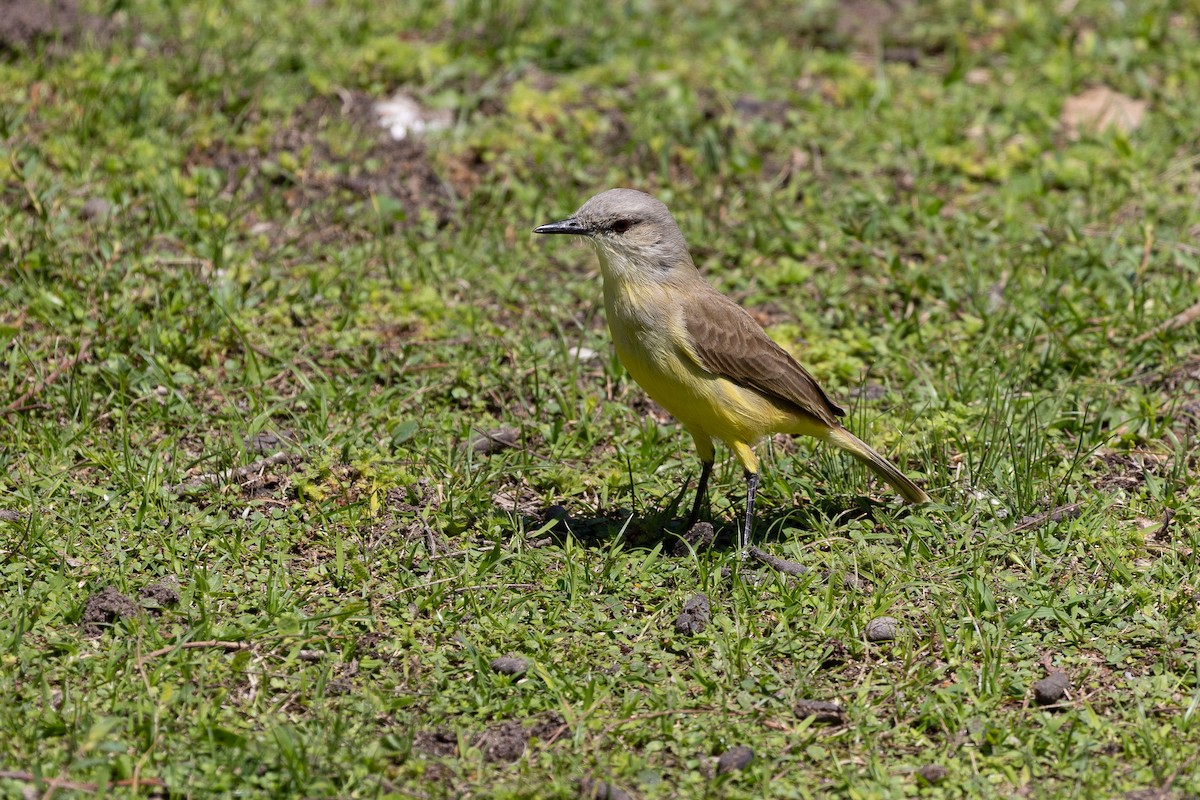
[699, 354]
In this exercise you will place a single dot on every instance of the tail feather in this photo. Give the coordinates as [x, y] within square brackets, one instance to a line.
[877, 464]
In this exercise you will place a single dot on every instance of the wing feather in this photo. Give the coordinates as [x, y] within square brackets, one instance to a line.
[728, 342]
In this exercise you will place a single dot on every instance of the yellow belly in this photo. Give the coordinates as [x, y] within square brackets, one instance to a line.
[648, 330]
[701, 400]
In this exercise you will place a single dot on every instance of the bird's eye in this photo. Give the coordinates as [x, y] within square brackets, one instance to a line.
[621, 225]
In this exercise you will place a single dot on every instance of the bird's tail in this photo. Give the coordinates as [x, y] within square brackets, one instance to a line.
[878, 464]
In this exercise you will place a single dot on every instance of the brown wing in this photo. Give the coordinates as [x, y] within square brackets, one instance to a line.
[728, 342]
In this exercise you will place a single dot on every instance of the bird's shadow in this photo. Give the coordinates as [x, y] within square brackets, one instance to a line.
[666, 527]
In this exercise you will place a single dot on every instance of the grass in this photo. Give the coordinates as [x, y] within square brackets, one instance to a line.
[212, 256]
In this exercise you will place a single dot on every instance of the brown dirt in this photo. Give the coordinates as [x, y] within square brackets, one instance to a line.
[402, 171]
[550, 728]
[503, 742]
[699, 537]
[26, 24]
[441, 742]
[693, 619]
[159, 595]
[106, 607]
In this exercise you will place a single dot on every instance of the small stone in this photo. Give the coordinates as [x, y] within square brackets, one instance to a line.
[932, 773]
[882, 629]
[593, 789]
[699, 537]
[311, 656]
[694, 617]
[510, 665]
[735, 758]
[774, 562]
[96, 209]
[1050, 689]
[487, 443]
[820, 711]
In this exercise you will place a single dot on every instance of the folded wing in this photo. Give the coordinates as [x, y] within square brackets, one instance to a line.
[728, 342]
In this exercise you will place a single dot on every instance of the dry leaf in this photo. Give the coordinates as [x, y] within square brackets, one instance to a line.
[1100, 108]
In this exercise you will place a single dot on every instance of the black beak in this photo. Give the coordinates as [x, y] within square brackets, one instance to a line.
[568, 225]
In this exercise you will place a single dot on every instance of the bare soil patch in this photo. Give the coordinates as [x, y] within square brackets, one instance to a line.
[106, 607]
[27, 24]
[302, 165]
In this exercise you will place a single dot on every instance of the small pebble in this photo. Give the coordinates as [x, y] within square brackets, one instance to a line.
[882, 629]
[694, 617]
[96, 209]
[820, 711]
[699, 537]
[734, 759]
[509, 665]
[487, 443]
[932, 773]
[591, 789]
[1050, 689]
[774, 562]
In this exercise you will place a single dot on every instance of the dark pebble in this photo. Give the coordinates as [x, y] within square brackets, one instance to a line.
[694, 617]
[699, 537]
[820, 711]
[591, 789]
[509, 665]
[1050, 689]
[488, 442]
[882, 629]
[734, 759]
[932, 773]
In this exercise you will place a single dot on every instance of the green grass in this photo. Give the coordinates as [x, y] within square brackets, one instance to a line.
[981, 289]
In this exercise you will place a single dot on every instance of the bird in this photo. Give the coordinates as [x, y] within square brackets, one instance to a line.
[700, 355]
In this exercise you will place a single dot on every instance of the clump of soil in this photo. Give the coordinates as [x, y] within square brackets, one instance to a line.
[106, 607]
[24, 24]
[442, 743]
[693, 619]
[550, 728]
[158, 596]
[399, 176]
[503, 742]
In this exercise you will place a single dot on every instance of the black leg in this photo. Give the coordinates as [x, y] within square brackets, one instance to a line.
[751, 491]
[705, 471]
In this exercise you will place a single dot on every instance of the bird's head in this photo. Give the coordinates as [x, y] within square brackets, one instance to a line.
[632, 231]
